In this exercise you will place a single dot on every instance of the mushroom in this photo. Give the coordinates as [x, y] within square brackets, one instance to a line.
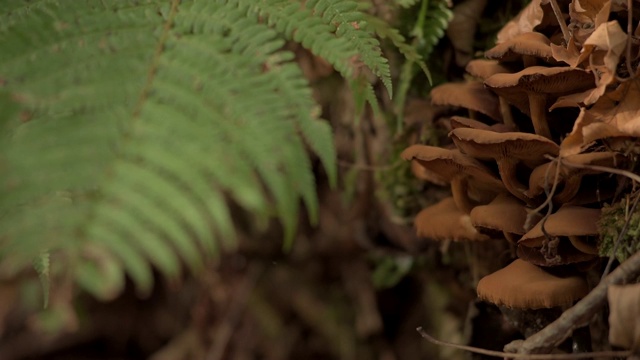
[459, 121]
[530, 296]
[472, 96]
[505, 215]
[456, 168]
[507, 149]
[483, 69]
[574, 223]
[523, 285]
[538, 83]
[569, 175]
[444, 221]
[527, 47]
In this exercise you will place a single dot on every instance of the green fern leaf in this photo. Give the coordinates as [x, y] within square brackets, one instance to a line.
[432, 28]
[137, 121]
[332, 29]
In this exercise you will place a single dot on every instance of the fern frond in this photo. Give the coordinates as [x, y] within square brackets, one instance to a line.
[135, 123]
[385, 31]
[432, 28]
[332, 29]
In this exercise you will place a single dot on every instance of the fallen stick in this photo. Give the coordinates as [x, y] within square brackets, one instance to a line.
[579, 315]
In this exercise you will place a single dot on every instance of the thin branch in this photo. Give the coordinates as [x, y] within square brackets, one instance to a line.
[560, 17]
[606, 169]
[559, 330]
[501, 354]
[629, 32]
[548, 200]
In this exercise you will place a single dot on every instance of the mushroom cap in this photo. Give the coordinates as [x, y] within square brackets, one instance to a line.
[529, 43]
[450, 163]
[444, 221]
[525, 286]
[569, 220]
[483, 144]
[422, 173]
[459, 121]
[483, 68]
[504, 213]
[541, 80]
[469, 95]
[546, 172]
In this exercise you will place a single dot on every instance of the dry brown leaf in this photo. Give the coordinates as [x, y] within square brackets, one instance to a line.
[569, 55]
[572, 100]
[530, 17]
[587, 15]
[603, 48]
[624, 316]
[615, 114]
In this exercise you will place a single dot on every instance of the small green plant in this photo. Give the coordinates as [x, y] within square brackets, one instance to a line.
[614, 219]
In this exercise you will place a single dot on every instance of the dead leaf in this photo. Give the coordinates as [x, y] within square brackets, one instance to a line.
[603, 49]
[624, 316]
[530, 17]
[571, 100]
[586, 16]
[615, 114]
[569, 55]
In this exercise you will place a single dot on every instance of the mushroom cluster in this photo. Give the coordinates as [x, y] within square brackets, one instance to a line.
[533, 130]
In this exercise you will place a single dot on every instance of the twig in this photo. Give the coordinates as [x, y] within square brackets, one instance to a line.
[560, 18]
[548, 200]
[607, 169]
[501, 354]
[559, 330]
[622, 233]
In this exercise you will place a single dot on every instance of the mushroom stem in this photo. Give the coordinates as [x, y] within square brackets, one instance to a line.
[505, 111]
[460, 195]
[583, 246]
[538, 109]
[563, 26]
[507, 168]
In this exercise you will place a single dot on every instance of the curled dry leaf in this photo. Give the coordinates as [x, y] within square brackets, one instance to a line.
[624, 316]
[606, 45]
[587, 15]
[615, 114]
[530, 17]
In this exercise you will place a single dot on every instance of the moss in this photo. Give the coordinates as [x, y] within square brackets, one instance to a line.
[612, 223]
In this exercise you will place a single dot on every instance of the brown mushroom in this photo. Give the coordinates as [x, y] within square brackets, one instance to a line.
[444, 221]
[472, 96]
[459, 121]
[523, 285]
[573, 223]
[454, 167]
[538, 83]
[483, 69]
[569, 176]
[527, 47]
[505, 215]
[507, 149]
